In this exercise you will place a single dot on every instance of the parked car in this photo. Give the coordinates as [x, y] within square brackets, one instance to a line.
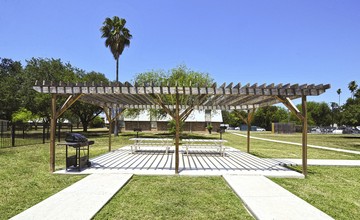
[237, 128]
[260, 129]
[315, 130]
[337, 131]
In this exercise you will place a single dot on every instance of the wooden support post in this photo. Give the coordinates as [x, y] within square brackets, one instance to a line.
[302, 116]
[304, 136]
[110, 133]
[177, 134]
[52, 132]
[107, 112]
[248, 137]
[248, 122]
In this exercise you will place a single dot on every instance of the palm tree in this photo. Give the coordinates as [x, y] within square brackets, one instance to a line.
[339, 92]
[117, 38]
[352, 87]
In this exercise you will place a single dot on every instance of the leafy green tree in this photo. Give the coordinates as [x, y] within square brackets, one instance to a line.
[319, 114]
[23, 115]
[11, 81]
[226, 117]
[45, 70]
[351, 112]
[180, 76]
[117, 38]
[87, 112]
[266, 115]
[56, 71]
[236, 116]
[357, 94]
[172, 126]
[97, 122]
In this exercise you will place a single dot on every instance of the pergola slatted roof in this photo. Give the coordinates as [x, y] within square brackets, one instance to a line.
[180, 97]
[225, 97]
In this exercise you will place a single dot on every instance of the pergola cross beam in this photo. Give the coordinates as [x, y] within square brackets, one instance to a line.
[290, 105]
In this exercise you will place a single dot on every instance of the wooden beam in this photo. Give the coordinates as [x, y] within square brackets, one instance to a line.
[119, 113]
[186, 113]
[290, 105]
[304, 136]
[248, 121]
[52, 132]
[158, 100]
[68, 103]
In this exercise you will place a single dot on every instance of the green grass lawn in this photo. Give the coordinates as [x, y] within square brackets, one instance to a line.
[174, 197]
[268, 149]
[25, 180]
[343, 141]
[334, 190]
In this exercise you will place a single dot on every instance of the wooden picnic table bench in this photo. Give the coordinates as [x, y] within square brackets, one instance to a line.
[151, 142]
[204, 143]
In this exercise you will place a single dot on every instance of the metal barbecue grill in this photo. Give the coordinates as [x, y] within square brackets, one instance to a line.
[81, 144]
[75, 138]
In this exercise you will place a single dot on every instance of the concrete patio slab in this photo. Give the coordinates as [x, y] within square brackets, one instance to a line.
[82, 200]
[267, 200]
[197, 163]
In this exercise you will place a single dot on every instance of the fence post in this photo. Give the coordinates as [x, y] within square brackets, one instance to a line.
[43, 132]
[59, 131]
[23, 130]
[13, 134]
[2, 134]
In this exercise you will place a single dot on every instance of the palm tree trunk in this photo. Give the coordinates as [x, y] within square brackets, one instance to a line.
[116, 125]
[117, 69]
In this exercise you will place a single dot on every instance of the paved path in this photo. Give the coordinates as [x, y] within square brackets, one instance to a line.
[267, 200]
[319, 162]
[82, 200]
[299, 144]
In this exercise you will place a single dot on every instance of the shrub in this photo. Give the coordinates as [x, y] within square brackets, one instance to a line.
[97, 122]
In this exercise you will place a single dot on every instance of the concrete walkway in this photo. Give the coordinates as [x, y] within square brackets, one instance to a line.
[82, 200]
[267, 200]
[318, 162]
[299, 144]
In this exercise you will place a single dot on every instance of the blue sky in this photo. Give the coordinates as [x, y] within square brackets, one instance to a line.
[279, 41]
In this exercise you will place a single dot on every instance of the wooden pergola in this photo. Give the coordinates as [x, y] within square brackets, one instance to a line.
[123, 96]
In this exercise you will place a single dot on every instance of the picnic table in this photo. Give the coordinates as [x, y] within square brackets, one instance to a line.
[151, 142]
[204, 143]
